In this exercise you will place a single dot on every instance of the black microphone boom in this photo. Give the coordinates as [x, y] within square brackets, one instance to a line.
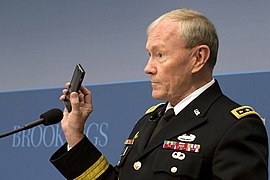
[50, 117]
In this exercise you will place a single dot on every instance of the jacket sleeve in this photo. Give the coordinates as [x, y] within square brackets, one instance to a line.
[84, 161]
[242, 153]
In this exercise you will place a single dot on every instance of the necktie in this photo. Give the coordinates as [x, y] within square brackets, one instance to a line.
[162, 122]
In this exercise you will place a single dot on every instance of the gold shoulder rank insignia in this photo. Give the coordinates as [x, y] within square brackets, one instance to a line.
[243, 111]
[153, 108]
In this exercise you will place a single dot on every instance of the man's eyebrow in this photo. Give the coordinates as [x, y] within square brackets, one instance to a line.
[156, 47]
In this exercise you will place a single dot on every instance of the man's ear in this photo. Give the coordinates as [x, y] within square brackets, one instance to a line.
[201, 56]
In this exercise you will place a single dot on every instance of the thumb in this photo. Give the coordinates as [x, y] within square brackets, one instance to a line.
[74, 100]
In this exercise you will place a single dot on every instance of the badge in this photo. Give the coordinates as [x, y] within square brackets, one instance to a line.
[186, 137]
[129, 142]
[197, 112]
[178, 155]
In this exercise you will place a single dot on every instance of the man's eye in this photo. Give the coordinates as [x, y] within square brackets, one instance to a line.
[149, 54]
[159, 55]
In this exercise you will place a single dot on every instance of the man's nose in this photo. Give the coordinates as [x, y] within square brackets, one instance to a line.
[150, 67]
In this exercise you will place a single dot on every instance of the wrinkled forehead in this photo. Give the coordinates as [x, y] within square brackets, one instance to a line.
[165, 31]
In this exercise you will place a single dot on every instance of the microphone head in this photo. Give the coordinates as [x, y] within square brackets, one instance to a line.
[154, 116]
[52, 116]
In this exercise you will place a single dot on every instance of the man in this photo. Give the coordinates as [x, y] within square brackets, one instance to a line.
[208, 137]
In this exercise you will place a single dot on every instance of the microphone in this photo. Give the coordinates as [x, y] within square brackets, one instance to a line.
[154, 116]
[50, 117]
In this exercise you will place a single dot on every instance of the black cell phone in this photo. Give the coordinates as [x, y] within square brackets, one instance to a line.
[75, 84]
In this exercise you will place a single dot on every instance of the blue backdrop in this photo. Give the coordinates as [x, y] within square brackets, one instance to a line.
[117, 107]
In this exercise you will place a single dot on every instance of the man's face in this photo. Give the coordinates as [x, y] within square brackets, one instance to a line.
[170, 65]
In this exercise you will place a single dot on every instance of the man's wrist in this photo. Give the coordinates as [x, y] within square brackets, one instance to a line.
[75, 139]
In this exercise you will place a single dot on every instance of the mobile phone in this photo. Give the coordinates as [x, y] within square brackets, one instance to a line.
[75, 84]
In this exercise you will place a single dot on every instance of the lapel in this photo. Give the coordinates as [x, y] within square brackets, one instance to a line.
[187, 119]
[148, 128]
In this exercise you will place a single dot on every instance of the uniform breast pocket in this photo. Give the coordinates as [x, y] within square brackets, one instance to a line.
[169, 164]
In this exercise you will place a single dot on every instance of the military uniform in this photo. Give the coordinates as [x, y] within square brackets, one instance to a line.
[213, 138]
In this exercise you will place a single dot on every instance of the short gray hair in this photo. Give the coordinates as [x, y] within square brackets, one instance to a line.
[194, 29]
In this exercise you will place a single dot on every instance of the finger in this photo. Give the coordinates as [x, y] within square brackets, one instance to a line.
[81, 96]
[62, 98]
[87, 95]
[84, 90]
[74, 100]
[68, 85]
[65, 91]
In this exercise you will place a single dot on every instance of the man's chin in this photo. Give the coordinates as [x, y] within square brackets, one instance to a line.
[157, 96]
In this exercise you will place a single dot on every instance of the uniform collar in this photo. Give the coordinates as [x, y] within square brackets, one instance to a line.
[187, 100]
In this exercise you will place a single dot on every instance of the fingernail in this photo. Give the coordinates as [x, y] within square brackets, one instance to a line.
[74, 95]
